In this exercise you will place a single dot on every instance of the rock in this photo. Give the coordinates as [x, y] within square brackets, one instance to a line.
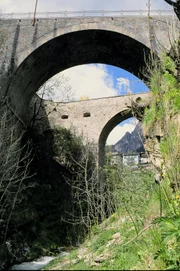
[110, 243]
[75, 261]
[101, 258]
[116, 235]
[94, 264]
[116, 238]
[64, 253]
[157, 178]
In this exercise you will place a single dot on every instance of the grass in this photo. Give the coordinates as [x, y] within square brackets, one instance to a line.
[127, 240]
[102, 251]
[102, 239]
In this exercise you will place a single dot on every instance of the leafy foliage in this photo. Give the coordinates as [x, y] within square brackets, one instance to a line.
[67, 147]
[170, 232]
[164, 112]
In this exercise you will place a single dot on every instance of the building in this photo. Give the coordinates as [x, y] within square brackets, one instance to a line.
[131, 159]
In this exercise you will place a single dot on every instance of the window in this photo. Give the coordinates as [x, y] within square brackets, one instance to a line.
[86, 114]
[64, 117]
[139, 99]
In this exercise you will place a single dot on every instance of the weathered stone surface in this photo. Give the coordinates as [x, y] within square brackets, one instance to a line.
[154, 139]
[94, 119]
[35, 53]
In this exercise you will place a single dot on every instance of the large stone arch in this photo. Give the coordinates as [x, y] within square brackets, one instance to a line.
[136, 29]
[71, 49]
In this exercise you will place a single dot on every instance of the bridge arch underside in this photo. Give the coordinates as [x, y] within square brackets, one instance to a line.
[72, 49]
[113, 122]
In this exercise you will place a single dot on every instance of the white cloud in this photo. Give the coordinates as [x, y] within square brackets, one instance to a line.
[10, 6]
[59, 5]
[5, 6]
[92, 81]
[132, 120]
[118, 132]
[123, 85]
[5, 2]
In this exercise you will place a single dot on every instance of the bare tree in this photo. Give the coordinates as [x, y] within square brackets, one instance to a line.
[3, 36]
[14, 167]
[56, 89]
[92, 193]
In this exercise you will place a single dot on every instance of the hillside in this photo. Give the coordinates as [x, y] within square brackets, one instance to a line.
[127, 240]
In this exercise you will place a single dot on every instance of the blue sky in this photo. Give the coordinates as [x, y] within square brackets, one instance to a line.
[96, 80]
[131, 82]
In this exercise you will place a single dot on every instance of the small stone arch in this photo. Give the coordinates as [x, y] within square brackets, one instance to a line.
[113, 122]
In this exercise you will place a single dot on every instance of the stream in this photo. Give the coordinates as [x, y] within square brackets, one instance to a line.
[38, 264]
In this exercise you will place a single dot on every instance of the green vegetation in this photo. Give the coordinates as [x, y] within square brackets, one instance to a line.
[136, 237]
[36, 193]
[144, 230]
[127, 239]
[164, 115]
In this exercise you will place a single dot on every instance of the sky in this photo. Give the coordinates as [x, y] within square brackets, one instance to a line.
[95, 80]
[61, 5]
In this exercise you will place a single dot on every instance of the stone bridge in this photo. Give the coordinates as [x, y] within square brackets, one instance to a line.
[93, 119]
[33, 54]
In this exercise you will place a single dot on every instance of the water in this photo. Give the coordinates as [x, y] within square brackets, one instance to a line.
[36, 265]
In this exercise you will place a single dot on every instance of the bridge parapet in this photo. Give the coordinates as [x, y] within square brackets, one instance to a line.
[88, 13]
